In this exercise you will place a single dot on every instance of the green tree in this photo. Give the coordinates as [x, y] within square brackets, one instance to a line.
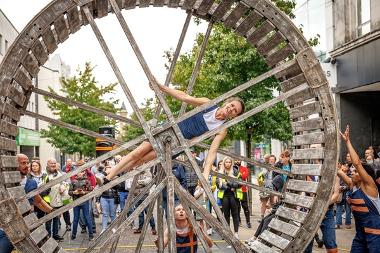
[85, 89]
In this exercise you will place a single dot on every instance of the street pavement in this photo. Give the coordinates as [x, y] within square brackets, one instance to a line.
[129, 240]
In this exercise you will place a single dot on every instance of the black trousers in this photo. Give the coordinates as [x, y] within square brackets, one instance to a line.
[230, 207]
[244, 203]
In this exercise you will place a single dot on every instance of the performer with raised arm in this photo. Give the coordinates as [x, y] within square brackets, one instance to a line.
[191, 127]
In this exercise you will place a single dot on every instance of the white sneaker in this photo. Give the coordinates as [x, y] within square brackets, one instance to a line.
[209, 231]
[229, 247]
[236, 235]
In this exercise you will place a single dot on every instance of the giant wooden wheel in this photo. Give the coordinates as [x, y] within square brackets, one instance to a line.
[305, 91]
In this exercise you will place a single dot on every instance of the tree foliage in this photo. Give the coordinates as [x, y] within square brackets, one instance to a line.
[85, 89]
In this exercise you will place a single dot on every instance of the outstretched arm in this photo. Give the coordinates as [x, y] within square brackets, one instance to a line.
[335, 195]
[182, 96]
[368, 184]
[219, 137]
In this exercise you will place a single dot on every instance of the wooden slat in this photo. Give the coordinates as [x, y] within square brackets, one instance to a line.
[30, 219]
[188, 4]
[298, 200]
[10, 111]
[7, 144]
[274, 239]
[61, 250]
[268, 45]
[8, 161]
[102, 8]
[144, 3]
[307, 169]
[173, 3]
[8, 128]
[24, 206]
[291, 214]
[91, 8]
[22, 79]
[235, 15]
[17, 96]
[306, 125]
[305, 110]
[39, 52]
[222, 9]
[249, 22]
[290, 72]
[307, 153]
[204, 7]
[283, 227]
[61, 29]
[31, 65]
[158, 3]
[300, 97]
[302, 186]
[311, 138]
[260, 32]
[49, 246]
[16, 192]
[129, 4]
[11, 177]
[279, 56]
[293, 82]
[261, 248]
[38, 234]
[73, 19]
[49, 40]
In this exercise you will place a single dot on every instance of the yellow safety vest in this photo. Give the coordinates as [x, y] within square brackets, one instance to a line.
[238, 191]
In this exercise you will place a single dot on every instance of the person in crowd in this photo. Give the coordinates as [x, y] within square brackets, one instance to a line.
[37, 201]
[108, 201]
[79, 187]
[186, 238]
[263, 179]
[284, 164]
[191, 176]
[364, 200]
[69, 166]
[179, 172]
[41, 178]
[199, 196]
[343, 205]
[143, 181]
[55, 197]
[230, 193]
[191, 127]
[212, 182]
[244, 172]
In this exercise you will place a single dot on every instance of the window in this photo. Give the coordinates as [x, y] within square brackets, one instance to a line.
[6, 46]
[364, 17]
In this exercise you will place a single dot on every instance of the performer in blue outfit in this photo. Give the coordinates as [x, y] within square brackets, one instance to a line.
[194, 126]
[364, 200]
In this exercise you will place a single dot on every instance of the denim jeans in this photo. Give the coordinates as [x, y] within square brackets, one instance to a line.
[141, 216]
[55, 222]
[123, 197]
[109, 210]
[328, 229]
[5, 245]
[339, 211]
[85, 207]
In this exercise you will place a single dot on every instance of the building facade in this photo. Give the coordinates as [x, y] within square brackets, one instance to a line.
[356, 54]
[28, 139]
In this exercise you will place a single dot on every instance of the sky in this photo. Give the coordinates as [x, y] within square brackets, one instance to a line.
[155, 30]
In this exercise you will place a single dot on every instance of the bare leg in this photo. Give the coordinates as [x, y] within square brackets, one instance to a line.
[127, 162]
[147, 157]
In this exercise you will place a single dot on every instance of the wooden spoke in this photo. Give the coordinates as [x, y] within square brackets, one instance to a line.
[107, 155]
[250, 113]
[160, 223]
[197, 66]
[118, 74]
[151, 198]
[248, 160]
[238, 89]
[85, 107]
[94, 193]
[72, 127]
[175, 58]
[225, 233]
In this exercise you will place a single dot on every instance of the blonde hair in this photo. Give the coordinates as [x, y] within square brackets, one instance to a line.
[231, 171]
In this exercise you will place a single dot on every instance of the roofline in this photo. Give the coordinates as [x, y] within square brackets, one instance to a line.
[9, 21]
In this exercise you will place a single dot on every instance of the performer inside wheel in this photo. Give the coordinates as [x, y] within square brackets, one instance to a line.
[191, 127]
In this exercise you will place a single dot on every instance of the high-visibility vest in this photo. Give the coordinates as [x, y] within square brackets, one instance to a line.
[238, 191]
